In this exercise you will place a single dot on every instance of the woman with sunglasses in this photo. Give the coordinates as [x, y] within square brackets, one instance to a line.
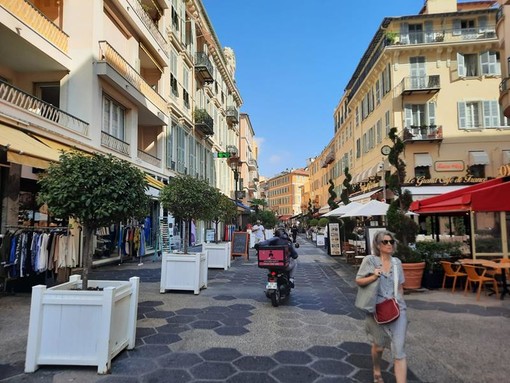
[379, 267]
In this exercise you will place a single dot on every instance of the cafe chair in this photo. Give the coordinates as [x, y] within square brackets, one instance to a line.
[451, 272]
[481, 279]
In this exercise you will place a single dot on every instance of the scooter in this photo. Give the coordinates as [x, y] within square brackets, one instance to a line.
[276, 259]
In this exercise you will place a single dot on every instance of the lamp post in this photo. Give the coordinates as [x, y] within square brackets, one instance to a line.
[234, 163]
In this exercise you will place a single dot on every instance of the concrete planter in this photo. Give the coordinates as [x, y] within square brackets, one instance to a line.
[70, 326]
[183, 272]
[218, 255]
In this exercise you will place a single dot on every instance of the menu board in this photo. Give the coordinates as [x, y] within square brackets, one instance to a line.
[240, 242]
[335, 247]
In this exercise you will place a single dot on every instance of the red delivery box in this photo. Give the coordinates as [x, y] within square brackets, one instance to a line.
[273, 256]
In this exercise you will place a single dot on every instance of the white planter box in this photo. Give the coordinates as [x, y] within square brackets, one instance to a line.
[81, 327]
[183, 272]
[314, 237]
[218, 255]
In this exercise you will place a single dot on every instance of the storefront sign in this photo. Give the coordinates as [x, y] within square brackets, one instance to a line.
[449, 166]
[504, 170]
[419, 181]
[335, 247]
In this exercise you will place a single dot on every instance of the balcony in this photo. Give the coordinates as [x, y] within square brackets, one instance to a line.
[232, 115]
[203, 122]
[114, 143]
[108, 55]
[35, 106]
[504, 96]
[424, 133]
[329, 158]
[204, 67]
[252, 164]
[419, 85]
[149, 158]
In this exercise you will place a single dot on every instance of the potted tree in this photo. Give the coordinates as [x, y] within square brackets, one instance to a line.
[86, 322]
[187, 198]
[403, 226]
[218, 253]
[313, 226]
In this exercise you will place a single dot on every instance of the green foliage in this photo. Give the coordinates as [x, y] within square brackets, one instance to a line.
[432, 252]
[310, 209]
[223, 210]
[323, 222]
[189, 198]
[96, 190]
[267, 218]
[256, 203]
[332, 195]
[314, 222]
[407, 255]
[347, 187]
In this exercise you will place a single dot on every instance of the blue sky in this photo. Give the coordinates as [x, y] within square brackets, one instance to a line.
[294, 59]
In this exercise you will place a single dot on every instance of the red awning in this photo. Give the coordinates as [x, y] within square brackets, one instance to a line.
[486, 196]
[285, 217]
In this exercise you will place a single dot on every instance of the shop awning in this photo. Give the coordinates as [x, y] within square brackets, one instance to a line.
[324, 209]
[285, 217]
[486, 196]
[422, 159]
[478, 158]
[365, 197]
[54, 144]
[26, 150]
[422, 192]
[156, 184]
[243, 206]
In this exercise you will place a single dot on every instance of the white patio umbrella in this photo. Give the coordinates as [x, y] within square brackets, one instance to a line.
[341, 210]
[369, 209]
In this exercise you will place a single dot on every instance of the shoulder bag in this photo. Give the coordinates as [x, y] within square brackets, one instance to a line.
[366, 297]
[388, 310]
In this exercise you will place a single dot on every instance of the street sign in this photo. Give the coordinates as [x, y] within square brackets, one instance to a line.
[223, 155]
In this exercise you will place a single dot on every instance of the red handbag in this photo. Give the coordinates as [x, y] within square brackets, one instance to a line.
[388, 310]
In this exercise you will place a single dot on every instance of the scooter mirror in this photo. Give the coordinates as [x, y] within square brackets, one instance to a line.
[296, 245]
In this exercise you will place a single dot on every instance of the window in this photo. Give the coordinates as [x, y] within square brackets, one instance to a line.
[489, 63]
[379, 131]
[479, 114]
[114, 116]
[472, 65]
[377, 92]
[173, 74]
[415, 33]
[192, 171]
[422, 171]
[358, 148]
[181, 148]
[418, 115]
[387, 122]
[477, 171]
[170, 163]
[185, 85]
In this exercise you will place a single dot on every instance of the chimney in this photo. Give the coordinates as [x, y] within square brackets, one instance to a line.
[440, 6]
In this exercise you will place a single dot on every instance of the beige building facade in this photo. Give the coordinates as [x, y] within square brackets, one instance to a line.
[284, 193]
[435, 76]
[147, 81]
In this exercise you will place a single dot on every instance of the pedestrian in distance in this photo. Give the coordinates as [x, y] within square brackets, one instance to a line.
[294, 232]
[379, 268]
[259, 231]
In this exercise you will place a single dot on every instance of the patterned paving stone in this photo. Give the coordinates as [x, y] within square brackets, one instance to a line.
[294, 374]
[173, 328]
[292, 357]
[133, 366]
[162, 339]
[213, 370]
[167, 375]
[232, 331]
[224, 298]
[148, 351]
[220, 354]
[332, 367]
[179, 360]
[251, 377]
[327, 352]
[255, 363]
[205, 324]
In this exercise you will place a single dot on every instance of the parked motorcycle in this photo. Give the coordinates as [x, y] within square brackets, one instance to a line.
[276, 259]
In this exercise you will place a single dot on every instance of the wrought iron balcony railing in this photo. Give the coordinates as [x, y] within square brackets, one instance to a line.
[419, 84]
[114, 143]
[232, 115]
[204, 122]
[423, 133]
[150, 25]
[12, 95]
[204, 67]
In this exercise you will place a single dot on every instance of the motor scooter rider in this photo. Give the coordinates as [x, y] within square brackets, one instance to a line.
[282, 238]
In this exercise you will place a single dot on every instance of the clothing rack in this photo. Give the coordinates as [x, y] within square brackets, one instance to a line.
[35, 228]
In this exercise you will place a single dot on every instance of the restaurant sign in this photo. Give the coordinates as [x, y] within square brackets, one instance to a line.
[504, 170]
[449, 166]
[420, 181]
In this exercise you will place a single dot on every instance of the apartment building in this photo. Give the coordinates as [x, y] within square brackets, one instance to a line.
[503, 32]
[284, 192]
[145, 80]
[435, 76]
[248, 152]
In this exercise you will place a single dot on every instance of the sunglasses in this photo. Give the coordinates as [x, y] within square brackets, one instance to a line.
[386, 241]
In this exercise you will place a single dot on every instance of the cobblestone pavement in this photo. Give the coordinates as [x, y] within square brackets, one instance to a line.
[231, 333]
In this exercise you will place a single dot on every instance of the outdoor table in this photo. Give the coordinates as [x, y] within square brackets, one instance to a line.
[503, 266]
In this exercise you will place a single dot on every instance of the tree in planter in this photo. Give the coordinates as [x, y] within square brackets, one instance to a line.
[332, 195]
[267, 218]
[347, 187]
[188, 198]
[95, 190]
[256, 203]
[404, 227]
[224, 210]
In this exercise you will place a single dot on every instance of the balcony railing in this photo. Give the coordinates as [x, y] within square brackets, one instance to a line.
[504, 86]
[117, 62]
[36, 20]
[149, 24]
[114, 143]
[420, 84]
[203, 66]
[149, 158]
[23, 100]
[329, 158]
[232, 115]
[204, 122]
[441, 36]
[423, 133]
[252, 164]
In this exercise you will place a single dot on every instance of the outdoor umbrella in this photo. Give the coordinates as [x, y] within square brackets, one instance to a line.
[341, 210]
[372, 208]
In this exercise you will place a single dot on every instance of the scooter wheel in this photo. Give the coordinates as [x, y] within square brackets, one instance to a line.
[275, 298]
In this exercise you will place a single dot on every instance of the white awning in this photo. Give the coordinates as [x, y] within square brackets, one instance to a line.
[365, 197]
[422, 192]
[478, 158]
[422, 159]
[324, 209]
[367, 173]
[506, 157]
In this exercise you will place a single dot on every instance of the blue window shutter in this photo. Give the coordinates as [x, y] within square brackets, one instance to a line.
[462, 114]
[461, 67]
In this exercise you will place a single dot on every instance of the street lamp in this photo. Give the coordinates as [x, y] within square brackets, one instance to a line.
[234, 164]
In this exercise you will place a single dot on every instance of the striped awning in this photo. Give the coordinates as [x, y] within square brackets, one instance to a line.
[156, 184]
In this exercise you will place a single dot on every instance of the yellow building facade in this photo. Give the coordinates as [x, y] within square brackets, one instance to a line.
[434, 76]
[283, 193]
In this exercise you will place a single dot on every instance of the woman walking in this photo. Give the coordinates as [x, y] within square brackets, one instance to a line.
[379, 268]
